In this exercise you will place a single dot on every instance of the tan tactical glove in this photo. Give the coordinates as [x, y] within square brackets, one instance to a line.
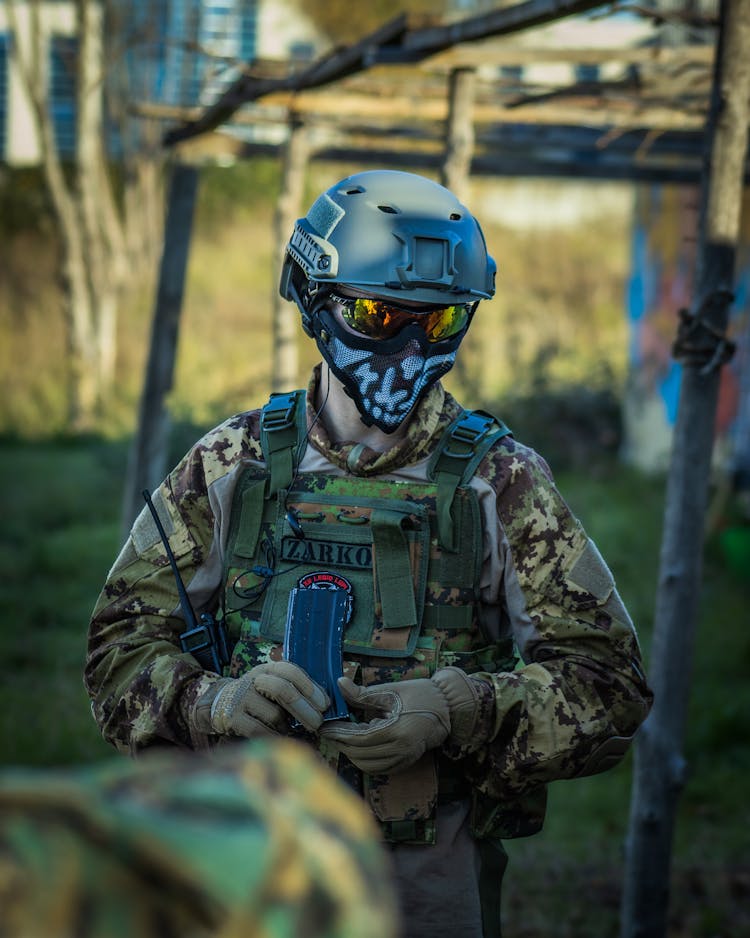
[261, 702]
[409, 717]
[471, 702]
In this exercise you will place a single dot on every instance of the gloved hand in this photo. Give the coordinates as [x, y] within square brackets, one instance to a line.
[407, 718]
[471, 702]
[261, 702]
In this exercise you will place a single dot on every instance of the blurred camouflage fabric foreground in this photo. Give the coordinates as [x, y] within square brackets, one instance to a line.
[255, 839]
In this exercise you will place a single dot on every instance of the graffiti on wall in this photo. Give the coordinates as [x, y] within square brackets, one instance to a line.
[664, 248]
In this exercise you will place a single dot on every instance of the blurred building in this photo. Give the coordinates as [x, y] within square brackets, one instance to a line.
[168, 52]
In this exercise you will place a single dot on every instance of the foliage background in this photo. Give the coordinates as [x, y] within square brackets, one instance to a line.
[557, 321]
[549, 354]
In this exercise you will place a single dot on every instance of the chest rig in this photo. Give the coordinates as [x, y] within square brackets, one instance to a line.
[412, 552]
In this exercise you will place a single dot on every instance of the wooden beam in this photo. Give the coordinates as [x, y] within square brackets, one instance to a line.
[642, 145]
[626, 114]
[147, 460]
[289, 206]
[393, 42]
[600, 113]
[331, 67]
[497, 54]
[531, 162]
[501, 22]
[459, 132]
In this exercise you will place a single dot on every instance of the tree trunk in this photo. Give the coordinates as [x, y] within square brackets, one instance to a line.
[99, 220]
[459, 142]
[454, 175]
[83, 392]
[285, 318]
[94, 264]
[147, 462]
[659, 762]
[143, 200]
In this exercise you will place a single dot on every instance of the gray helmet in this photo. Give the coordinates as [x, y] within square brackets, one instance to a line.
[391, 234]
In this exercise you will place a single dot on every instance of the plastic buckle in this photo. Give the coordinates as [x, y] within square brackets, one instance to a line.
[196, 639]
[278, 414]
[469, 431]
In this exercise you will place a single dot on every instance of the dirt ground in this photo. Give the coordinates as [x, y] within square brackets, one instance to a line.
[585, 903]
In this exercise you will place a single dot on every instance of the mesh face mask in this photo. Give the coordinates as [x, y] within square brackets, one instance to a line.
[384, 378]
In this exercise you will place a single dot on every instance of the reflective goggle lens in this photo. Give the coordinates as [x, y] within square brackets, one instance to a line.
[379, 320]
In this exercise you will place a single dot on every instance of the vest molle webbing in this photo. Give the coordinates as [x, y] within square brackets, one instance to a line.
[412, 553]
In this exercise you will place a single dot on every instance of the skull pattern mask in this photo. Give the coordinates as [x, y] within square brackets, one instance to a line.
[384, 377]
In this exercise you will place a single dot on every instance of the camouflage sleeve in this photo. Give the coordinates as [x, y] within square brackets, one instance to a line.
[581, 693]
[257, 839]
[140, 682]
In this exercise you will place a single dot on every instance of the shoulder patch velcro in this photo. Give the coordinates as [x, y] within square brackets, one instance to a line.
[126, 556]
[145, 533]
[592, 574]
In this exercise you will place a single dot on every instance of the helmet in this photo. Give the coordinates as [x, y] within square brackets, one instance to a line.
[390, 234]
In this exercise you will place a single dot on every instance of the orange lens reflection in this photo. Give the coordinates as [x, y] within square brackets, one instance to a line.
[380, 320]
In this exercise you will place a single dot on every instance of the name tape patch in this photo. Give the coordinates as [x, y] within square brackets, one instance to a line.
[335, 553]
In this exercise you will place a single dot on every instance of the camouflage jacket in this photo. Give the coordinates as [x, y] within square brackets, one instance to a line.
[581, 685]
[258, 840]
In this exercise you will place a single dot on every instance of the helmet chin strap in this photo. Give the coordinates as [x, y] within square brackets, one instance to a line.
[384, 379]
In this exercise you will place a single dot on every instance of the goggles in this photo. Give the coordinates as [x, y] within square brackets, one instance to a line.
[379, 319]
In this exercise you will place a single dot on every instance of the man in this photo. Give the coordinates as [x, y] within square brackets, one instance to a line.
[486, 651]
[259, 840]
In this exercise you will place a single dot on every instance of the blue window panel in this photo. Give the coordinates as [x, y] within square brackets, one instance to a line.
[3, 93]
[63, 58]
[195, 46]
[512, 76]
[587, 73]
[173, 56]
[228, 34]
[181, 77]
[249, 31]
[302, 51]
[146, 27]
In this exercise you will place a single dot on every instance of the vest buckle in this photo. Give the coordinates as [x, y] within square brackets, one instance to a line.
[278, 414]
[468, 432]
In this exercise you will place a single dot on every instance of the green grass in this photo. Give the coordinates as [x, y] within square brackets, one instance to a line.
[571, 873]
[59, 537]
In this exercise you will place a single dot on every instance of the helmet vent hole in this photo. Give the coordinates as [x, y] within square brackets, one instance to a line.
[455, 216]
[355, 190]
[388, 209]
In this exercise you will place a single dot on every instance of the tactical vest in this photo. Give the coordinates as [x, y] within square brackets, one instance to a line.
[412, 552]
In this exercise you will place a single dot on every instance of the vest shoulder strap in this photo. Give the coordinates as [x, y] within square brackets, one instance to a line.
[282, 430]
[461, 448]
